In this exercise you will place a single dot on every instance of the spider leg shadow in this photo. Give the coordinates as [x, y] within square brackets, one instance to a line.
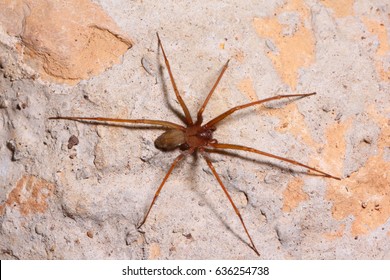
[208, 203]
[216, 214]
[248, 158]
[270, 105]
[164, 89]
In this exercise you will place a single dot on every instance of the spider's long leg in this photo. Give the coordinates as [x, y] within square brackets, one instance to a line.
[178, 96]
[232, 110]
[98, 119]
[200, 112]
[252, 150]
[231, 201]
[180, 157]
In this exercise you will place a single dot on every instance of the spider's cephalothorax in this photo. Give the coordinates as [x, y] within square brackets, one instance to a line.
[196, 137]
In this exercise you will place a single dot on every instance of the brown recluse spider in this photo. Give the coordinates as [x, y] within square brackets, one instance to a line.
[198, 137]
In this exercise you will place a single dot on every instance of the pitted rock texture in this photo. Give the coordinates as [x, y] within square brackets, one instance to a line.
[65, 41]
[62, 200]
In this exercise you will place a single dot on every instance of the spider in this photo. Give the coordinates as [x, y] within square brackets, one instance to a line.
[194, 137]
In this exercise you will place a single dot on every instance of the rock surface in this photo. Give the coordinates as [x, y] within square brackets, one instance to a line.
[70, 190]
[65, 41]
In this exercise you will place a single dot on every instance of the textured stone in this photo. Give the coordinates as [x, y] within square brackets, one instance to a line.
[29, 196]
[60, 49]
[293, 39]
[86, 202]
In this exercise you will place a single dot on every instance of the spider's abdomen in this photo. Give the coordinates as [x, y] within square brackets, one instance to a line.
[170, 140]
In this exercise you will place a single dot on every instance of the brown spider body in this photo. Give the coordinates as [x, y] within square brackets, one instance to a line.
[198, 136]
[170, 140]
[195, 137]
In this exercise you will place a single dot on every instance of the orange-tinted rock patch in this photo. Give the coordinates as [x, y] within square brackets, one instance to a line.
[383, 50]
[65, 41]
[293, 195]
[294, 51]
[29, 195]
[366, 193]
[340, 8]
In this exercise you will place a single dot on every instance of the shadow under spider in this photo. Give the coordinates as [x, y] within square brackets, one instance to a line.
[208, 204]
[196, 137]
[164, 89]
[282, 167]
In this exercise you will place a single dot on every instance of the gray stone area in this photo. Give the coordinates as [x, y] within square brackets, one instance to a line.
[71, 190]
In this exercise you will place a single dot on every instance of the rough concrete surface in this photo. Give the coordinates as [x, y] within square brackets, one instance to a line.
[71, 190]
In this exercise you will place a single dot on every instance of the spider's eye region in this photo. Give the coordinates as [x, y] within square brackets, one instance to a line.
[205, 134]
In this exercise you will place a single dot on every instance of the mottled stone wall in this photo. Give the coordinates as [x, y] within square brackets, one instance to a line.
[72, 190]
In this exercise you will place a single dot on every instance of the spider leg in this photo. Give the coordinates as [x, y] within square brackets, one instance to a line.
[178, 96]
[231, 201]
[177, 159]
[232, 110]
[252, 150]
[200, 112]
[98, 119]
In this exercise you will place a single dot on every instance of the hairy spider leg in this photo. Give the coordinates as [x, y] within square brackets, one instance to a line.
[252, 150]
[232, 110]
[200, 112]
[178, 96]
[231, 201]
[177, 159]
[143, 121]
